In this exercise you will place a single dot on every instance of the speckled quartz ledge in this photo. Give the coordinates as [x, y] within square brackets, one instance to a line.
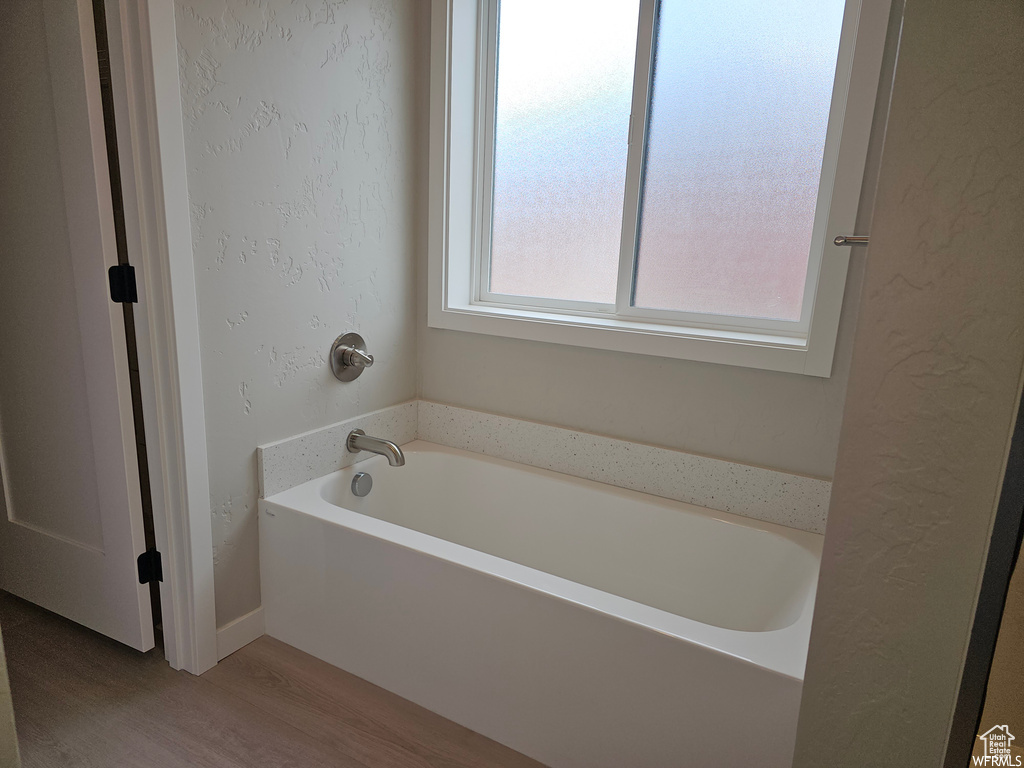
[295, 460]
[764, 494]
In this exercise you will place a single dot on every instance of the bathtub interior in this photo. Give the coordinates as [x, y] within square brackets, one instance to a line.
[675, 557]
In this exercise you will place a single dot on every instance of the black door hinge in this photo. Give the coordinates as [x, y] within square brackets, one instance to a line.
[122, 284]
[150, 567]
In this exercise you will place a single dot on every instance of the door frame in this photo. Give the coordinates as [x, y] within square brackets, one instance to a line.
[150, 136]
[1000, 560]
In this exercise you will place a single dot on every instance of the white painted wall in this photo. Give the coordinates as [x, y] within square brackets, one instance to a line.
[781, 421]
[935, 382]
[302, 140]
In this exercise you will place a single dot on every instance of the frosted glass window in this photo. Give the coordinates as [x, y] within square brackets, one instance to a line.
[565, 79]
[739, 108]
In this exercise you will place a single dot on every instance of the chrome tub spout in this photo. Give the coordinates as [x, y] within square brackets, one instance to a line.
[360, 441]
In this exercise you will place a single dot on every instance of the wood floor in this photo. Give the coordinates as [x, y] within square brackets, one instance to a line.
[83, 700]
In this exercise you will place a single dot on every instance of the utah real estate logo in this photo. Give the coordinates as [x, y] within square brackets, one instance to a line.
[997, 748]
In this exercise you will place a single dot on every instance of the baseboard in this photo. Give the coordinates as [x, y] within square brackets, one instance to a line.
[239, 633]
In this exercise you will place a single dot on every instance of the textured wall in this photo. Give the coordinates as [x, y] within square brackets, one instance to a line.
[934, 385]
[301, 138]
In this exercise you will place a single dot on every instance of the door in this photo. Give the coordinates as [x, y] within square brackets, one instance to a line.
[71, 522]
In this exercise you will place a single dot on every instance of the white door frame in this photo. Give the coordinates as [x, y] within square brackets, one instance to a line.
[144, 75]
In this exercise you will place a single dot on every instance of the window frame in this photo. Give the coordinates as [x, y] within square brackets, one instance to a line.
[463, 64]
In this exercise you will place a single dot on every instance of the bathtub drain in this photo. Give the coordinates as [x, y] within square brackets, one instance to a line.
[362, 483]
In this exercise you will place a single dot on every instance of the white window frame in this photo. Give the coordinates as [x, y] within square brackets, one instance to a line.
[462, 81]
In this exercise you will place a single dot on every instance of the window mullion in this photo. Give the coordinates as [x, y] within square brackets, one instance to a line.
[643, 75]
[487, 88]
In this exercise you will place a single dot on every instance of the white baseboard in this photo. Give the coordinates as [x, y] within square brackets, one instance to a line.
[239, 633]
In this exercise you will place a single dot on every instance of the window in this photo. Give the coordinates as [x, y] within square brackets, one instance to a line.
[657, 176]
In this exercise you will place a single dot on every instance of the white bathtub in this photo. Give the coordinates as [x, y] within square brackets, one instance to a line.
[583, 625]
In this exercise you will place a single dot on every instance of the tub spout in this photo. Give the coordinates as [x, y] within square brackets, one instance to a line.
[360, 441]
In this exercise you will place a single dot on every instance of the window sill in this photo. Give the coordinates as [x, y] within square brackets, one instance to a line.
[746, 349]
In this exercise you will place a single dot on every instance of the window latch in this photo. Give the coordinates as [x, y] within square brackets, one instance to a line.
[851, 240]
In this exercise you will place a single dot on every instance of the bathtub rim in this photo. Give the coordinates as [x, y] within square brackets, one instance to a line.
[782, 651]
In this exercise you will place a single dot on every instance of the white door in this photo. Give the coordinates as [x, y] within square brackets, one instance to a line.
[71, 521]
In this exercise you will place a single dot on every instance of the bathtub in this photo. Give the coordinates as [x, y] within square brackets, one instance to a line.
[583, 625]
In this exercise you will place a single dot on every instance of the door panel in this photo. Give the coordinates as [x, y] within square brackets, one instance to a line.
[71, 523]
[46, 427]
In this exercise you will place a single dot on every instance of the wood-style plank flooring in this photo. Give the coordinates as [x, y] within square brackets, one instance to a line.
[81, 699]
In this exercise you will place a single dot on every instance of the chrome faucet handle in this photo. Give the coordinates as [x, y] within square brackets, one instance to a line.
[356, 356]
[349, 356]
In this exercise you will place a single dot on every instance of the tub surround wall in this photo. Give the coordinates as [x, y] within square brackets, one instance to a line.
[763, 494]
[296, 460]
[301, 137]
